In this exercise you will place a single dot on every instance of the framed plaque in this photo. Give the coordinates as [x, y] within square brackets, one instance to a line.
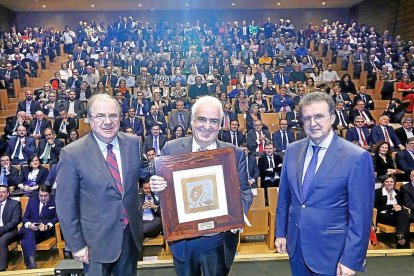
[202, 195]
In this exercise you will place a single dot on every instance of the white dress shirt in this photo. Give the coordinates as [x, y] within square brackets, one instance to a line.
[116, 150]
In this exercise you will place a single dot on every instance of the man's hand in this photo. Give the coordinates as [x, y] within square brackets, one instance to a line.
[42, 227]
[401, 147]
[82, 255]
[342, 270]
[157, 183]
[33, 227]
[280, 244]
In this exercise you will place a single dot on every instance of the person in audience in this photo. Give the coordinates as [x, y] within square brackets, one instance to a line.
[134, 122]
[13, 122]
[49, 147]
[251, 166]
[180, 116]
[342, 121]
[383, 163]
[74, 82]
[407, 89]
[11, 216]
[367, 99]
[9, 174]
[21, 147]
[51, 107]
[73, 136]
[404, 158]
[257, 137]
[407, 195]
[8, 75]
[159, 103]
[198, 89]
[28, 105]
[360, 110]
[155, 139]
[388, 87]
[395, 111]
[38, 125]
[151, 213]
[269, 167]
[283, 137]
[63, 125]
[148, 165]
[241, 105]
[232, 135]
[177, 132]
[140, 104]
[74, 107]
[390, 210]
[330, 75]
[359, 133]
[282, 102]
[31, 176]
[340, 96]
[384, 132]
[154, 117]
[293, 118]
[297, 75]
[39, 222]
[347, 86]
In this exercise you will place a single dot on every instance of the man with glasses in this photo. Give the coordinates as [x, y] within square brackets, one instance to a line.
[326, 194]
[39, 220]
[406, 131]
[405, 158]
[141, 104]
[96, 194]
[9, 175]
[257, 137]
[209, 254]
[359, 133]
[21, 147]
[360, 110]
[283, 137]
[49, 147]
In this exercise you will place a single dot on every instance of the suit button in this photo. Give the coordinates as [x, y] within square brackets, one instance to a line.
[303, 206]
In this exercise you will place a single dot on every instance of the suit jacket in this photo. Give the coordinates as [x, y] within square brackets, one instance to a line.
[377, 135]
[28, 150]
[145, 107]
[405, 161]
[81, 196]
[79, 108]
[226, 136]
[40, 179]
[70, 126]
[263, 165]
[54, 151]
[401, 134]
[278, 78]
[184, 145]
[113, 81]
[354, 113]
[13, 176]
[156, 202]
[55, 110]
[251, 138]
[369, 102]
[48, 214]
[277, 139]
[290, 117]
[407, 195]
[11, 125]
[148, 143]
[34, 106]
[339, 204]
[380, 201]
[353, 136]
[346, 118]
[43, 125]
[138, 126]
[12, 216]
[252, 168]
[174, 120]
[149, 122]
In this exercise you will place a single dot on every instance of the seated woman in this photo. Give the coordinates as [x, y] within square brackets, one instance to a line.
[73, 136]
[241, 105]
[259, 101]
[406, 88]
[254, 115]
[388, 88]
[247, 79]
[161, 105]
[100, 88]
[178, 132]
[383, 163]
[178, 93]
[387, 201]
[310, 85]
[269, 89]
[32, 175]
[395, 110]
[347, 86]
[84, 92]
[123, 89]
[65, 73]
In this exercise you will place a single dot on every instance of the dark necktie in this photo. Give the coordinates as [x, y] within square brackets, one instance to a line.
[3, 177]
[284, 140]
[155, 144]
[37, 128]
[271, 165]
[310, 171]
[234, 138]
[18, 149]
[363, 98]
[113, 168]
[181, 119]
[132, 122]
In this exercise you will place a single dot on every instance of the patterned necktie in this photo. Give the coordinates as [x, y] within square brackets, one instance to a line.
[113, 168]
[181, 119]
[3, 177]
[46, 153]
[284, 140]
[18, 150]
[310, 171]
[364, 142]
[155, 144]
[37, 129]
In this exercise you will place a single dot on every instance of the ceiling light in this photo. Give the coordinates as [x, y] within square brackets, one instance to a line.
[139, 5]
[92, 6]
[233, 4]
[186, 4]
[44, 6]
[278, 3]
[323, 3]
[151, 9]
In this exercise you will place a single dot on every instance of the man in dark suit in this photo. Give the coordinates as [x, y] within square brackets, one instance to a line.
[64, 125]
[228, 116]
[198, 89]
[74, 107]
[360, 110]
[233, 135]
[74, 82]
[155, 118]
[269, 168]
[359, 133]
[293, 118]
[367, 99]
[39, 220]
[384, 132]
[38, 125]
[406, 131]
[407, 195]
[8, 75]
[179, 117]
[10, 217]
[133, 122]
[283, 137]
[29, 105]
[405, 158]
[49, 148]
[51, 107]
[155, 140]
[210, 255]
[256, 138]
[109, 79]
[9, 174]
[341, 117]
[316, 192]
[21, 147]
[13, 122]
[106, 242]
[151, 213]
[251, 165]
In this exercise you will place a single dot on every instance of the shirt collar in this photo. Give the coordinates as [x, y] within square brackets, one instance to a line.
[325, 143]
[385, 193]
[102, 145]
[196, 146]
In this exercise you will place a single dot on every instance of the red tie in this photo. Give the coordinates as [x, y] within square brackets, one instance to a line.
[261, 147]
[363, 138]
[113, 168]
[387, 138]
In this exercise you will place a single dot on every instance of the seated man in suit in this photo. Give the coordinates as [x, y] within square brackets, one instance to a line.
[251, 164]
[28, 105]
[367, 99]
[151, 213]
[49, 148]
[141, 104]
[154, 117]
[74, 107]
[359, 133]
[13, 122]
[64, 125]
[384, 132]
[256, 138]
[39, 220]
[21, 147]
[341, 96]
[38, 125]
[228, 116]
[293, 118]
[341, 117]
[405, 158]
[233, 135]
[360, 110]
[155, 139]
[282, 102]
[133, 122]
[147, 165]
[406, 131]
[269, 167]
[180, 117]
[51, 107]
[283, 137]
[407, 195]
[10, 217]
[9, 174]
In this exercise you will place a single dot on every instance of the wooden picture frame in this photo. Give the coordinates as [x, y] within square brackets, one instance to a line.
[203, 193]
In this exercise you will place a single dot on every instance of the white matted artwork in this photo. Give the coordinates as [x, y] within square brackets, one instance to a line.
[200, 193]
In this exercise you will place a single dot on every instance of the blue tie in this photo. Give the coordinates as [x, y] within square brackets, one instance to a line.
[310, 171]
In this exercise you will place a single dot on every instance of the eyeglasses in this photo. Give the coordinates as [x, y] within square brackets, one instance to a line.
[318, 118]
[101, 117]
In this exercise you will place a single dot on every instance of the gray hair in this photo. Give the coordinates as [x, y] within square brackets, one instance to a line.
[316, 97]
[101, 97]
[210, 101]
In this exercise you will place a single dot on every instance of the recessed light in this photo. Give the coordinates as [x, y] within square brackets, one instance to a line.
[139, 5]
[92, 6]
[151, 9]
[233, 4]
[186, 4]
[44, 6]
[323, 3]
[278, 3]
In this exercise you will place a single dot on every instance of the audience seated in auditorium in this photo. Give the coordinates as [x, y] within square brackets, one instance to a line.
[32, 176]
[360, 110]
[257, 137]
[21, 147]
[269, 167]
[359, 133]
[367, 99]
[283, 137]
[49, 147]
[251, 166]
[151, 213]
[384, 132]
[155, 139]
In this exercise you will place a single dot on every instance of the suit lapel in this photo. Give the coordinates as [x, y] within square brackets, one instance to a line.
[124, 159]
[299, 172]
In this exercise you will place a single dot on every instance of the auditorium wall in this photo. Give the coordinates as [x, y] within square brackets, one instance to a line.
[397, 16]
[7, 18]
[298, 17]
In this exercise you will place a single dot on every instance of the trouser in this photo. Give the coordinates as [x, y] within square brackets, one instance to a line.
[29, 239]
[6, 239]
